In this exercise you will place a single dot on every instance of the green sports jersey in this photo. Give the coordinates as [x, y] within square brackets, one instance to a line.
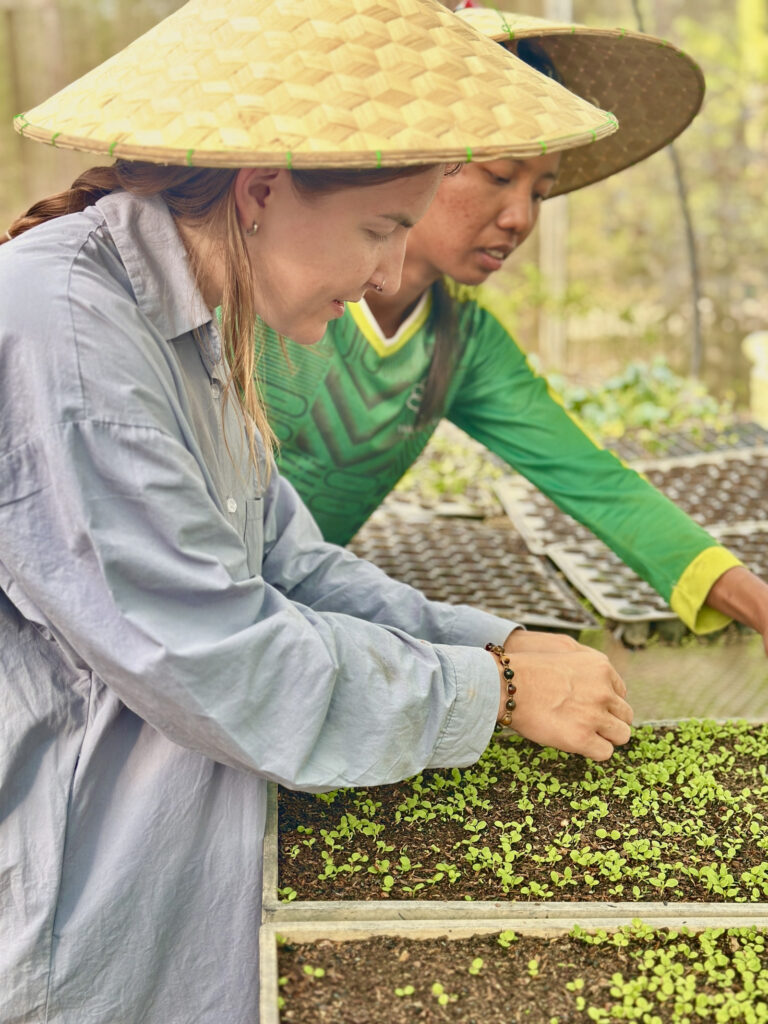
[345, 413]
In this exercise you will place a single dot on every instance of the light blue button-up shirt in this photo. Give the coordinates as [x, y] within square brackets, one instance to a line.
[172, 635]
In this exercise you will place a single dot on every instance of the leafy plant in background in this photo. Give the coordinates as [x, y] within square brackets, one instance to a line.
[644, 398]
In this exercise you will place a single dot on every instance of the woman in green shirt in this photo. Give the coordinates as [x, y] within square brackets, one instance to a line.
[355, 411]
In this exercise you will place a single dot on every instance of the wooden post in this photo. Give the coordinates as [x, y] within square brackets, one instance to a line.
[553, 247]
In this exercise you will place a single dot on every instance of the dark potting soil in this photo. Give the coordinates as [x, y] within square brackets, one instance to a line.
[656, 976]
[677, 814]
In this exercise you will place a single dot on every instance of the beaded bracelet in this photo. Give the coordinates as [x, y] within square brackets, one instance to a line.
[509, 675]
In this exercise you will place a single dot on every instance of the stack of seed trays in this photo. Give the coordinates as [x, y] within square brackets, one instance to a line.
[670, 832]
[726, 492]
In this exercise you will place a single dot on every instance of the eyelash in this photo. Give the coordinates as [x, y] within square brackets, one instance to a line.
[378, 238]
[537, 197]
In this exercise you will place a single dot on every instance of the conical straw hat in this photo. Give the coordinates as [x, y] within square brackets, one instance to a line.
[653, 88]
[313, 83]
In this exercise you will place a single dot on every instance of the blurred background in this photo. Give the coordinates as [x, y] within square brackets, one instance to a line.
[608, 279]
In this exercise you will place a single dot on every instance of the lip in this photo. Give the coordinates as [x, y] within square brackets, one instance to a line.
[488, 262]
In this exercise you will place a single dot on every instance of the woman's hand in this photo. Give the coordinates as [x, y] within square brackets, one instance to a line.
[568, 695]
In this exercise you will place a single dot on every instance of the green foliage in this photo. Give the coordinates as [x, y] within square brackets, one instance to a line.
[452, 466]
[716, 974]
[643, 397]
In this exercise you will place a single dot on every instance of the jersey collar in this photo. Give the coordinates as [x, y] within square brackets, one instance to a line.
[369, 327]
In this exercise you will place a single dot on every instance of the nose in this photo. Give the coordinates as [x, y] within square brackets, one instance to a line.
[389, 270]
[518, 214]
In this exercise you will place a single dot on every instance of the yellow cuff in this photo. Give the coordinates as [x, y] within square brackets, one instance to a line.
[691, 590]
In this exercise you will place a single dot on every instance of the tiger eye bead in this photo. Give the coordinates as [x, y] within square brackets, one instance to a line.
[510, 705]
[511, 688]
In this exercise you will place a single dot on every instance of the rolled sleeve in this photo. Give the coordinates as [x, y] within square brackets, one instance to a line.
[473, 716]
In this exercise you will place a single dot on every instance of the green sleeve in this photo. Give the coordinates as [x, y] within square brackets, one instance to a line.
[510, 409]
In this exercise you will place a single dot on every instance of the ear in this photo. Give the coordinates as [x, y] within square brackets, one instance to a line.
[254, 188]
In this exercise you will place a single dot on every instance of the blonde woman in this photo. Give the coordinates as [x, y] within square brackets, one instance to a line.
[173, 630]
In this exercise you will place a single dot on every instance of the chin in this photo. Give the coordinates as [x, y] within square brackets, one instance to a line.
[472, 277]
[309, 335]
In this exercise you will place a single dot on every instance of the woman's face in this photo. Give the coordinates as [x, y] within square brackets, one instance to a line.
[480, 215]
[313, 253]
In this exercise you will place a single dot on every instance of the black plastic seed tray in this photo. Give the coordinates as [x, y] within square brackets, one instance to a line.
[538, 520]
[691, 441]
[619, 594]
[471, 561]
[748, 541]
[723, 488]
[612, 588]
[726, 492]
[727, 487]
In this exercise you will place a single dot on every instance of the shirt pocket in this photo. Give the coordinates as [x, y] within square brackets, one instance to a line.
[254, 534]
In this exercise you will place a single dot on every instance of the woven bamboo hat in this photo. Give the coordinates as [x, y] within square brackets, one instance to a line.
[313, 83]
[654, 89]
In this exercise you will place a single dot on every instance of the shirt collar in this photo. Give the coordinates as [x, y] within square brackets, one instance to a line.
[157, 265]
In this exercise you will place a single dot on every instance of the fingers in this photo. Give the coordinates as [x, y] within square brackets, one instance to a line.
[599, 744]
[620, 709]
[616, 731]
[597, 749]
[618, 684]
[572, 699]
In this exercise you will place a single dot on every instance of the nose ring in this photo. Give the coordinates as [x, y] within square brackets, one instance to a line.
[380, 287]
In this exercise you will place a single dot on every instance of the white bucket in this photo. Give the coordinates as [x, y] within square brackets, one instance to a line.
[755, 347]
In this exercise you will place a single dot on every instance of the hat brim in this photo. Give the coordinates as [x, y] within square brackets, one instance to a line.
[314, 83]
[653, 88]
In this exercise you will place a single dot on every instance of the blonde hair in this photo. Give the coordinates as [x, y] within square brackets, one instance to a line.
[205, 197]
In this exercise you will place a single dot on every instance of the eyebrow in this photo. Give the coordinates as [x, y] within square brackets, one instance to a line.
[518, 162]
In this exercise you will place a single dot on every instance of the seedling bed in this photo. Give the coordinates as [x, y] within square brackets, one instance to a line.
[678, 815]
[497, 975]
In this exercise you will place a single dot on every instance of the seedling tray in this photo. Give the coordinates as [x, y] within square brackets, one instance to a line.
[720, 488]
[726, 492]
[471, 561]
[570, 839]
[485, 970]
[692, 440]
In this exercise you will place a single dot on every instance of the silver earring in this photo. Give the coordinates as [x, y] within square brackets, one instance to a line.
[252, 230]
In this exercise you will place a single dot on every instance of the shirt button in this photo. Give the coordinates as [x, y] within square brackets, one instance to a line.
[231, 506]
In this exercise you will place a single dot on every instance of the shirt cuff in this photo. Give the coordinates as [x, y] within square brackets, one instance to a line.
[475, 628]
[690, 592]
[470, 723]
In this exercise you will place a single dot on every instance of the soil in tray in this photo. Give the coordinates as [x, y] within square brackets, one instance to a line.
[636, 974]
[677, 814]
